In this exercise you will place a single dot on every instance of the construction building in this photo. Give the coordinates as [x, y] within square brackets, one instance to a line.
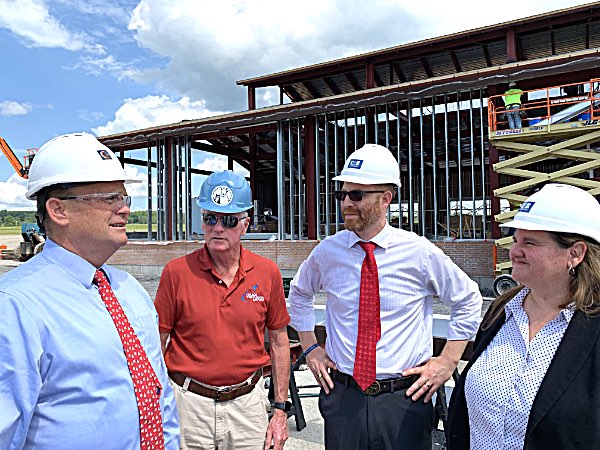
[436, 104]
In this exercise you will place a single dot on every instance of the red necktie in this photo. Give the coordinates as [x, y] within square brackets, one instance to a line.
[369, 323]
[146, 385]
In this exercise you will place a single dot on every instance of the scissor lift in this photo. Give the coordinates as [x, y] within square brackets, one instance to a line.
[562, 135]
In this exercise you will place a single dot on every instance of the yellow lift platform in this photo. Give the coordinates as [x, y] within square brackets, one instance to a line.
[562, 124]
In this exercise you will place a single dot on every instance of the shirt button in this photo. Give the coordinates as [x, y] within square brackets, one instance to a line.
[220, 281]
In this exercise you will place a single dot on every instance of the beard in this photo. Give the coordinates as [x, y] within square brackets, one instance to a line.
[364, 218]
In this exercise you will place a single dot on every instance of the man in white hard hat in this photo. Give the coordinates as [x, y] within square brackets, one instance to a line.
[377, 373]
[80, 363]
[215, 305]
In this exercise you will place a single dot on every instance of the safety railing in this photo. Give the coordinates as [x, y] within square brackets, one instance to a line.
[556, 104]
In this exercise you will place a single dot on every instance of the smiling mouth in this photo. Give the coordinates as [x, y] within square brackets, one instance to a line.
[118, 225]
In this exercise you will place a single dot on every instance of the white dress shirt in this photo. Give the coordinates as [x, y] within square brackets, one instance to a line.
[411, 271]
[502, 384]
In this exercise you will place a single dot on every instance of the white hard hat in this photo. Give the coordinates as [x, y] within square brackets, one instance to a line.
[74, 158]
[371, 164]
[562, 209]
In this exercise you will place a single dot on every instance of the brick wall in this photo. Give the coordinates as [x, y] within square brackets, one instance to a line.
[474, 257]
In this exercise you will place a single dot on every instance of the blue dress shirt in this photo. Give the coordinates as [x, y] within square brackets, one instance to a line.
[64, 380]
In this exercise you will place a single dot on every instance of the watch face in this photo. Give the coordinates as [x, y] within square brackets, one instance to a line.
[222, 195]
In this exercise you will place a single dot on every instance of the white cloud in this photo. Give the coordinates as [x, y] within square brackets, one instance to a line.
[31, 20]
[107, 64]
[12, 108]
[151, 111]
[13, 194]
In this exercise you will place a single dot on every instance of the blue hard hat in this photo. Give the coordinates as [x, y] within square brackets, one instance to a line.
[225, 192]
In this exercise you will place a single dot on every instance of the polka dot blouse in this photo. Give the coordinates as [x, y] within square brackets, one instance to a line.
[503, 382]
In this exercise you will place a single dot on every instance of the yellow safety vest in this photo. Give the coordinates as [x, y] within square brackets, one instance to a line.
[512, 96]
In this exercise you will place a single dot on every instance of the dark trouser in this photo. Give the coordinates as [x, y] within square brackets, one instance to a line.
[391, 421]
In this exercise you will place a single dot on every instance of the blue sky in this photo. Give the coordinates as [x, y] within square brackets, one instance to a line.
[105, 66]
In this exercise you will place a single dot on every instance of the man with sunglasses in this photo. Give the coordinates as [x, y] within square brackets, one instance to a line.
[214, 305]
[81, 364]
[377, 373]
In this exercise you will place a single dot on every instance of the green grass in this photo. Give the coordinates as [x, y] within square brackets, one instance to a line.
[5, 231]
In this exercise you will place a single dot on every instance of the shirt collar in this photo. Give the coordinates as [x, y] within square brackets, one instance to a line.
[381, 239]
[246, 262]
[516, 304]
[74, 265]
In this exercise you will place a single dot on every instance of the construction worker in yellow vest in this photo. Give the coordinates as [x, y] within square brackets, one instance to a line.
[512, 103]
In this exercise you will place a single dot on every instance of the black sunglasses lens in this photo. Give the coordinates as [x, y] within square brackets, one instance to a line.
[355, 196]
[226, 221]
[229, 221]
[209, 219]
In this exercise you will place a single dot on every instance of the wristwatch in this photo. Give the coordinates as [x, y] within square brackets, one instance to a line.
[284, 406]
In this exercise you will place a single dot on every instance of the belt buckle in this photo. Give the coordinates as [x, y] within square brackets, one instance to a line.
[374, 389]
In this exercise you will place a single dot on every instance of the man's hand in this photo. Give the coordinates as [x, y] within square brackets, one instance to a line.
[319, 364]
[277, 431]
[435, 372]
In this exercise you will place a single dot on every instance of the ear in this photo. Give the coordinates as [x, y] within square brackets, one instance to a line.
[245, 227]
[57, 212]
[577, 253]
[386, 198]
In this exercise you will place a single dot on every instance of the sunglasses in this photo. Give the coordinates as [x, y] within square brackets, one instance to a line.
[226, 221]
[355, 196]
[110, 198]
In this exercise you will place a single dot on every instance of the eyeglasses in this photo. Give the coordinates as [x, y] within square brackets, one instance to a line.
[355, 196]
[110, 198]
[226, 221]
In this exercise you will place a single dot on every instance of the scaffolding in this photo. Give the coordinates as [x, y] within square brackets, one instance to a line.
[559, 146]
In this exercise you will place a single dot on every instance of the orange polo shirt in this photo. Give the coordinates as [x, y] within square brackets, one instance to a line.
[217, 332]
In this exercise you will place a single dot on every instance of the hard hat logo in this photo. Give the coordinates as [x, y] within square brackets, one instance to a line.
[221, 195]
[355, 163]
[526, 207]
[104, 154]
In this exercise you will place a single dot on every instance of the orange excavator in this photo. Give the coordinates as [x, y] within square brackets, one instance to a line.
[21, 169]
[33, 237]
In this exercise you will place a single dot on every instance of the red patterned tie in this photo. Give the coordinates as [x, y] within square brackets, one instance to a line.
[146, 385]
[369, 323]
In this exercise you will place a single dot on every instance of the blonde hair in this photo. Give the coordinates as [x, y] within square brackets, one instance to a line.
[584, 285]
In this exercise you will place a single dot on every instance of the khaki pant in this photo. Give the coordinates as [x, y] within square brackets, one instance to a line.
[238, 424]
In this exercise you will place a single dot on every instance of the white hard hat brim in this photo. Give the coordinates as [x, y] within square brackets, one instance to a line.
[32, 193]
[555, 228]
[365, 180]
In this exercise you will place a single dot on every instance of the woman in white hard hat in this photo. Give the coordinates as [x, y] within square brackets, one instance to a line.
[534, 379]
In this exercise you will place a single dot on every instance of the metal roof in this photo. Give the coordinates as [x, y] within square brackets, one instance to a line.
[565, 31]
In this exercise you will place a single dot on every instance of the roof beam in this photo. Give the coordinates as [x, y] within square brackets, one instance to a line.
[399, 73]
[355, 84]
[426, 67]
[292, 93]
[370, 73]
[332, 86]
[312, 89]
[552, 42]
[455, 61]
[221, 150]
[486, 54]
[378, 80]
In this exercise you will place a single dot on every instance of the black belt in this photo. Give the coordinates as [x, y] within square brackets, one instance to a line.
[221, 394]
[513, 104]
[379, 386]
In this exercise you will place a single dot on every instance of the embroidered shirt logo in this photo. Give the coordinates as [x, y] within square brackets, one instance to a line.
[526, 207]
[355, 164]
[252, 296]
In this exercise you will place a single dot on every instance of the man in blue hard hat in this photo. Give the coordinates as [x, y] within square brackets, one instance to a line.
[213, 306]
